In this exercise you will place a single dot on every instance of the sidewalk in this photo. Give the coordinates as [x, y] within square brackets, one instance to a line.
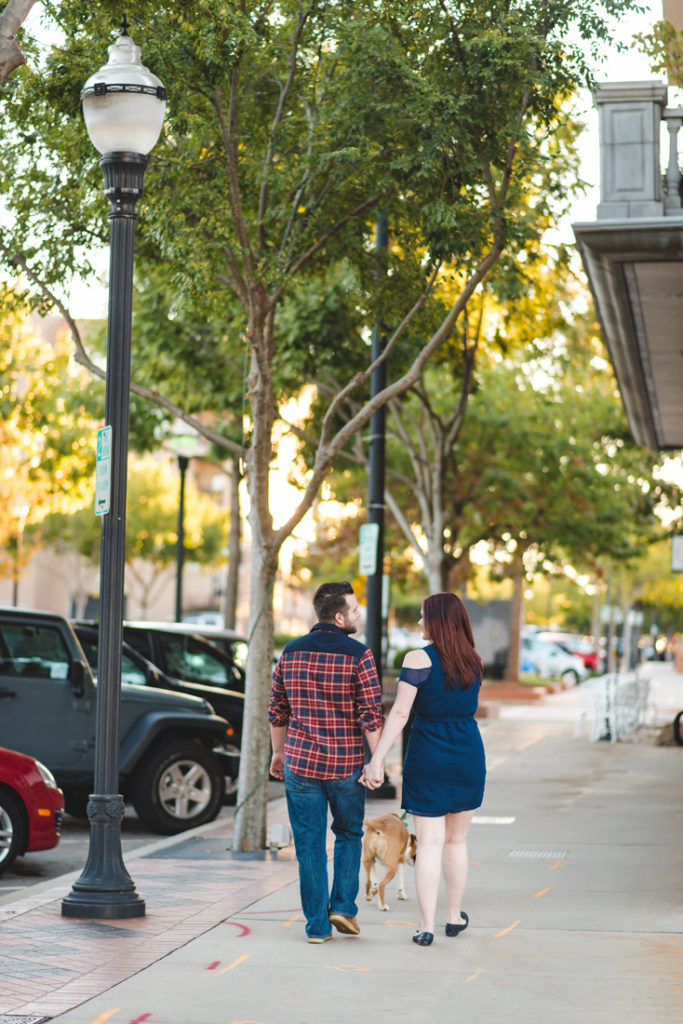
[574, 898]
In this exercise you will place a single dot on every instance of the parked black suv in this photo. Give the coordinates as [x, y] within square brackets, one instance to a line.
[137, 670]
[183, 652]
[173, 751]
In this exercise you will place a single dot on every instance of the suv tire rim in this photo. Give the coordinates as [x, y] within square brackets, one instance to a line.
[185, 789]
[6, 834]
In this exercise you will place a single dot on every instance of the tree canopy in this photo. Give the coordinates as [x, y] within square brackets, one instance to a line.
[290, 126]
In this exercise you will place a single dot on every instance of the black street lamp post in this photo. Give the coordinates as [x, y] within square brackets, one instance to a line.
[123, 106]
[183, 463]
[374, 628]
[186, 444]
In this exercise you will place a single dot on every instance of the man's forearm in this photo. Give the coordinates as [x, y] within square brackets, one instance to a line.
[278, 734]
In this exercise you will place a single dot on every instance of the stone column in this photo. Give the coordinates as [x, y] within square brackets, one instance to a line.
[630, 165]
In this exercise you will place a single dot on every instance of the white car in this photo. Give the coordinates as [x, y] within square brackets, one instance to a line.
[551, 660]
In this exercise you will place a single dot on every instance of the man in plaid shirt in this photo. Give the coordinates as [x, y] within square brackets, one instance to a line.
[326, 695]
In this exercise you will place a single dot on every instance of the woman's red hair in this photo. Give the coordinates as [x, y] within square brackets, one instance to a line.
[447, 625]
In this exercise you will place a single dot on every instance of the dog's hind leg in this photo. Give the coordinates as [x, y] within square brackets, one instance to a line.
[401, 894]
[383, 905]
[370, 887]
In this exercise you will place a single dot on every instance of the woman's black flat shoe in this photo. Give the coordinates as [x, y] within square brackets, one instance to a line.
[423, 938]
[455, 929]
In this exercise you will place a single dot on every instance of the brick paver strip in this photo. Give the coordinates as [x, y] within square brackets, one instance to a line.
[50, 963]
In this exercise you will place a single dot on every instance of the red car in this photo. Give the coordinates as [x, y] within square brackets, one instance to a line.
[31, 807]
[583, 647]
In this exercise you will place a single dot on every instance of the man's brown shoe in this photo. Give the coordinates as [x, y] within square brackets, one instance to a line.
[320, 938]
[345, 925]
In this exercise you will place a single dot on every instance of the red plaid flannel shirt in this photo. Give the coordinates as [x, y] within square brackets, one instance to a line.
[327, 692]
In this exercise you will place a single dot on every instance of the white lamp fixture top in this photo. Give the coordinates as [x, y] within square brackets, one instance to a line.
[123, 102]
[182, 440]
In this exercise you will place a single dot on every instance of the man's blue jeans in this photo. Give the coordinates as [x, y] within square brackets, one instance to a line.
[307, 802]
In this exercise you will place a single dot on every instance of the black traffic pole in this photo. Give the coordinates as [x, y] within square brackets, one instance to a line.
[105, 889]
[374, 628]
[376, 473]
[183, 463]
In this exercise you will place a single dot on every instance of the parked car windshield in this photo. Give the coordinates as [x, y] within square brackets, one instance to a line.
[130, 672]
[37, 651]
[188, 659]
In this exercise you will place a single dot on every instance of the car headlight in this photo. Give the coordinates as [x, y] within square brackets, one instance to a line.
[46, 775]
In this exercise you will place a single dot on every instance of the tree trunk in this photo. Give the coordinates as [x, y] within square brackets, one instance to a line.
[516, 615]
[596, 623]
[433, 573]
[252, 795]
[234, 550]
[624, 663]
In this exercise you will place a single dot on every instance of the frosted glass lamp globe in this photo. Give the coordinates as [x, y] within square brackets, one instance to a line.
[123, 102]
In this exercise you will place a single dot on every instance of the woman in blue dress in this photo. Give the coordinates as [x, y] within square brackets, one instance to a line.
[444, 768]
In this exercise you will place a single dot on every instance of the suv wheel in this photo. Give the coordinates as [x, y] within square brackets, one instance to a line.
[570, 675]
[178, 786]
[12, 838]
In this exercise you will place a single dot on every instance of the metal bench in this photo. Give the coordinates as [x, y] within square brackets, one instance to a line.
[615, 704]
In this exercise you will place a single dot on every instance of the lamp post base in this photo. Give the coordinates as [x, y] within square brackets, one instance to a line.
[105, 890]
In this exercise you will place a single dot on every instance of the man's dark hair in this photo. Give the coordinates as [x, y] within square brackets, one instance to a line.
[329, 599]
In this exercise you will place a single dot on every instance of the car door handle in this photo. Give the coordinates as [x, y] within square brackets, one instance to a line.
[7, 693]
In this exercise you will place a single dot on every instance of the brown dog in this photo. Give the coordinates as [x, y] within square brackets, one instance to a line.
[386, 839]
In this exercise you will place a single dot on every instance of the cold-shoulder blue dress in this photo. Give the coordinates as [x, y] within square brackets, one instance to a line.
[444, 770]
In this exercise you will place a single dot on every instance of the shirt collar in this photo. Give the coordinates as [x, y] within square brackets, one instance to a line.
[331, 627]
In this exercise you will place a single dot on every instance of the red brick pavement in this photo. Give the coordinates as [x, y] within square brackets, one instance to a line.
[49, 963]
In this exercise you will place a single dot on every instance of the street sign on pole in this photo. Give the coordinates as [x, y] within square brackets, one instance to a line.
[103, 471]
[367, 558]
[677, 552]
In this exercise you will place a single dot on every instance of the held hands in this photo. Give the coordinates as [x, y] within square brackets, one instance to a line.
[373, 774]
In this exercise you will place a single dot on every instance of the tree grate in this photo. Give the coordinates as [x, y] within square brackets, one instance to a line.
[4, 1019]
[540, 854]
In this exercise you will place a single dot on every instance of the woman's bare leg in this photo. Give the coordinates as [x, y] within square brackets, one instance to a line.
[455, 862]
[431, 833]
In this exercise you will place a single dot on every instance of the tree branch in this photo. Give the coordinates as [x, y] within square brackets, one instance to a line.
[404, 525]
[84, 359]
[11, 20]
[228, 134]
[310, 253]
[364, 375]
[327, 451]
[284, 92]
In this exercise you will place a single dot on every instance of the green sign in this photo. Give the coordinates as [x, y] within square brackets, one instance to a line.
[369, 539]
[103, 471]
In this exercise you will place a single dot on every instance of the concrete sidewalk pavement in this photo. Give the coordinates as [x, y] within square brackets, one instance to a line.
[575, 900]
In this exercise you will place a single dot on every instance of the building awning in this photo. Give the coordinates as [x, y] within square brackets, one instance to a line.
[635, 271]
